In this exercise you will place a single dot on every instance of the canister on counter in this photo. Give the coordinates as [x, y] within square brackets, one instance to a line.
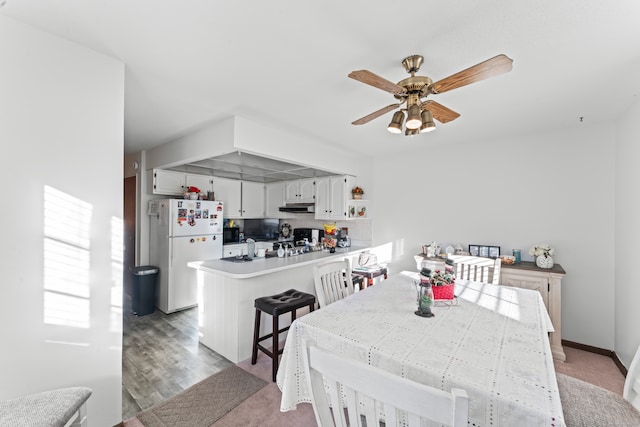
[517, 254]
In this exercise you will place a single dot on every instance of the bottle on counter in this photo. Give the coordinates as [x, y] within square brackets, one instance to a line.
[306, 245]
[251, 247]
[280, 251]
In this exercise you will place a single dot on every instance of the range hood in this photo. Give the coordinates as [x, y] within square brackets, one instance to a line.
[298, 208]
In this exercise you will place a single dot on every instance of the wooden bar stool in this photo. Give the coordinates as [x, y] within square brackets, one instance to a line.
[276, 305]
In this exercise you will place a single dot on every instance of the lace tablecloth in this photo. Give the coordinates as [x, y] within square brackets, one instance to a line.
[493, 343]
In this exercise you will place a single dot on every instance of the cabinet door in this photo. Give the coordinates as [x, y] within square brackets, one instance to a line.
[307, 190]
[274, 199]
[337, 197]
[517, 280]
[291, 191]
[203, 182]
[234, 250]
[252, 199]
[323, 198]
[229, 191]
[168, 182]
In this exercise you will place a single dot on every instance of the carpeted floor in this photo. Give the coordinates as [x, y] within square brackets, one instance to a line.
[263, 408]
[592, 368]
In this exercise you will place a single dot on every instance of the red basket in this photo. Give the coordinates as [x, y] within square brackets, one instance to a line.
[443, 292]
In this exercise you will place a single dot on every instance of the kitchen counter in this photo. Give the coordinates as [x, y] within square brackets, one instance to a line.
[262, 266]
[227, 291]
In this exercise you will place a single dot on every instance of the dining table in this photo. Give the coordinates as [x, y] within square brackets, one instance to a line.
[490, 340]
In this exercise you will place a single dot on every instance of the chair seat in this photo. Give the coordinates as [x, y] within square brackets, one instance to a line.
[284, 302]
[47, 409]
[587, 405]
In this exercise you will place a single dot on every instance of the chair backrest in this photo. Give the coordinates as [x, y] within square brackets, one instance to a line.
[393, 399]
[477, 269]
[631, 390]
[333, 281]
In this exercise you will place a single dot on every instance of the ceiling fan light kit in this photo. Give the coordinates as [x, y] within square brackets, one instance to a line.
[396, 122]
[414, 90]
[427, 122]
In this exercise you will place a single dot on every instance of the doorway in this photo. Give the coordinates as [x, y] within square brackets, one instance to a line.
[129, 219]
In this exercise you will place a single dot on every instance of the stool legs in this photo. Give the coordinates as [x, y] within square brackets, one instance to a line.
[256, 337]
[275, 352]
[275, 346]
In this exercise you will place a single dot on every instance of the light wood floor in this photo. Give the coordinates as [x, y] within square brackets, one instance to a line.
[161, 356]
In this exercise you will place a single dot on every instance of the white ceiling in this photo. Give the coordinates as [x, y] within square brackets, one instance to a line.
[284, 63]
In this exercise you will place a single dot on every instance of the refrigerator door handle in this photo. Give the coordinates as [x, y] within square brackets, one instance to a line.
[170, 252]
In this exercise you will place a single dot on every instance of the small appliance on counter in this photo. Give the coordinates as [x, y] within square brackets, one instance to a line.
[230, 235]
[300, 234]
[344, 241]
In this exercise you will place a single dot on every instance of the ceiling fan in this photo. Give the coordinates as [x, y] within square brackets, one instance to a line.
[415, 89]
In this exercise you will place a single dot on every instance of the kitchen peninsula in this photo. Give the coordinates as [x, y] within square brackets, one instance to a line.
[227, 290]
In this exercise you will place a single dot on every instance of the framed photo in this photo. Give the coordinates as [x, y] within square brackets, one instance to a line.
[494, 251]
[474, 250]
[484, 251]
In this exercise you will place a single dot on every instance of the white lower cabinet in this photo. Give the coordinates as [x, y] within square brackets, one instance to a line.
[549, 283]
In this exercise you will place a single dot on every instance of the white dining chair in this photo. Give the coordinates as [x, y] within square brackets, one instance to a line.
[477, 269]
[585, 404]
[332, 281]
[399, 401]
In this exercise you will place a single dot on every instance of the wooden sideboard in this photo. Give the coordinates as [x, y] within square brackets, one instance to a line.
[527, 275]
[547, 281]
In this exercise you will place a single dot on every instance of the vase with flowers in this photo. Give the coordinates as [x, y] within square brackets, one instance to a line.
[543, 254]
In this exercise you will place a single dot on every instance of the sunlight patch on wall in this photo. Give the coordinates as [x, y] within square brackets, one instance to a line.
[67, 221]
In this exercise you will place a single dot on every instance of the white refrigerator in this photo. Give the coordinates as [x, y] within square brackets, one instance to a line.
[182, 231]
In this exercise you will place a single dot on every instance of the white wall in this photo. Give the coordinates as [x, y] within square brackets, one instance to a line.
[555, 187]
[627, 234]
[61, 126]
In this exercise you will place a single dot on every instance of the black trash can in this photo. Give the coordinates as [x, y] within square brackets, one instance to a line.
[143, 289]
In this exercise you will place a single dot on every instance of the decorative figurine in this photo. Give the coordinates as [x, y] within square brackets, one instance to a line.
[425, 294]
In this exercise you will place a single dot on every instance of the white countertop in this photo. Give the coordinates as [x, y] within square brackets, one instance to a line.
[262, 266]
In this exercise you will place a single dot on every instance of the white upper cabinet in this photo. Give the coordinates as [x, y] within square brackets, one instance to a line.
[300, 191]
[204, 183]
[242, 199]
[253, 199]
[332, 194]
[274, 199]
[229, 191]
[172, 183]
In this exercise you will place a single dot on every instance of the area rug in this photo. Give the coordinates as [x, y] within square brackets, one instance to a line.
[205, 402]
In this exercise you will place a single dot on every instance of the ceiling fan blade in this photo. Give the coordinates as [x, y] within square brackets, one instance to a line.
[375, 80]
[440, 112]
[490, 68]
[375, 114]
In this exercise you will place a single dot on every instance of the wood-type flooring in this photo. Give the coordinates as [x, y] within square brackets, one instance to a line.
[161, 356]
